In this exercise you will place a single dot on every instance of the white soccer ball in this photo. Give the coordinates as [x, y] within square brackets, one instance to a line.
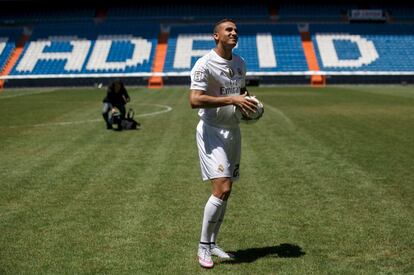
[252, 117]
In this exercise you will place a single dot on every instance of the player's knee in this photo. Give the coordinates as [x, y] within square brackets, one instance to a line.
[222, 194]
[222, 188]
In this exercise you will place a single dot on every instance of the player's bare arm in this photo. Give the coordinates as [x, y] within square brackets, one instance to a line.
[198, 99]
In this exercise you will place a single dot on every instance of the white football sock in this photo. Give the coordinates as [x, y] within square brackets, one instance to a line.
[219, 222]
[212, 211]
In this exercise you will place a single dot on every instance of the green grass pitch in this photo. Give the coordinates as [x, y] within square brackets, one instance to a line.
[327, 184]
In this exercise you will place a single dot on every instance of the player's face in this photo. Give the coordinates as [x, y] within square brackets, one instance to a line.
[227, 34]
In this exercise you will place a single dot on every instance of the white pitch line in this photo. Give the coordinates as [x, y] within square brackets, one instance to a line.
[166, 110]
[63, 123]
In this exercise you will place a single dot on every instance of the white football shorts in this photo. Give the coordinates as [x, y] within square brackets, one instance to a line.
[219, 150]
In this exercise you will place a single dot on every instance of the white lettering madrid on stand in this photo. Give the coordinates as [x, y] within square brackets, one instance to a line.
[329, 55]
[100, 53]
[74, 59]
[184, 49]
[265, 50]
[86, 58]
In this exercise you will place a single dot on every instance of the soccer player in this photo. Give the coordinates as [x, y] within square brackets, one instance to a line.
[217, 86]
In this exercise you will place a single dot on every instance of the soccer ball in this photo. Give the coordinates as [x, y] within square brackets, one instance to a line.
[252, 117]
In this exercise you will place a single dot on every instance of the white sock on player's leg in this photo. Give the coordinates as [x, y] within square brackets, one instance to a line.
[212, 211]
[215, 249]
[219, 222]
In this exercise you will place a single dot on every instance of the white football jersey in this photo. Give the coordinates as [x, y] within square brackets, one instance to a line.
[217, 76]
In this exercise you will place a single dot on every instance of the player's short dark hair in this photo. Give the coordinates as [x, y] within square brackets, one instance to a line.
[222, 21]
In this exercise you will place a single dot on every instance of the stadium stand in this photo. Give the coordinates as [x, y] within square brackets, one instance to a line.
[86, 48]
[193, 11]
[368, 48]
[317, 12]
[396, 12]
[281, 43]
[38, 14]
[8, 41]
[270, 48]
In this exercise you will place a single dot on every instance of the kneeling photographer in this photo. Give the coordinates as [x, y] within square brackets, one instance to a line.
[114, 103]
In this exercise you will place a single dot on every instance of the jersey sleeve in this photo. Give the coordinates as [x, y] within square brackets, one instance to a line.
[199, 77]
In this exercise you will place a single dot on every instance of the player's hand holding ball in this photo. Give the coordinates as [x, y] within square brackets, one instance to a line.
[250, 117]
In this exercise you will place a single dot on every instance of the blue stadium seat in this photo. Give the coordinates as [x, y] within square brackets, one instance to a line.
[265, 48]
[364, 47]
[128, 47]
[113, 47]
[402, 13]
[8, 39]
[189, 11]
[316, 12]
[39, 14]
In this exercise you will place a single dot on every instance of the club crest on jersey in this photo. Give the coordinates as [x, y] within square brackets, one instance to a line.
[198, 76]
[221, 168]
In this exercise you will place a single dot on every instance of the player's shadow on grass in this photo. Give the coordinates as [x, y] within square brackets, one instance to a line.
[284, 250]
